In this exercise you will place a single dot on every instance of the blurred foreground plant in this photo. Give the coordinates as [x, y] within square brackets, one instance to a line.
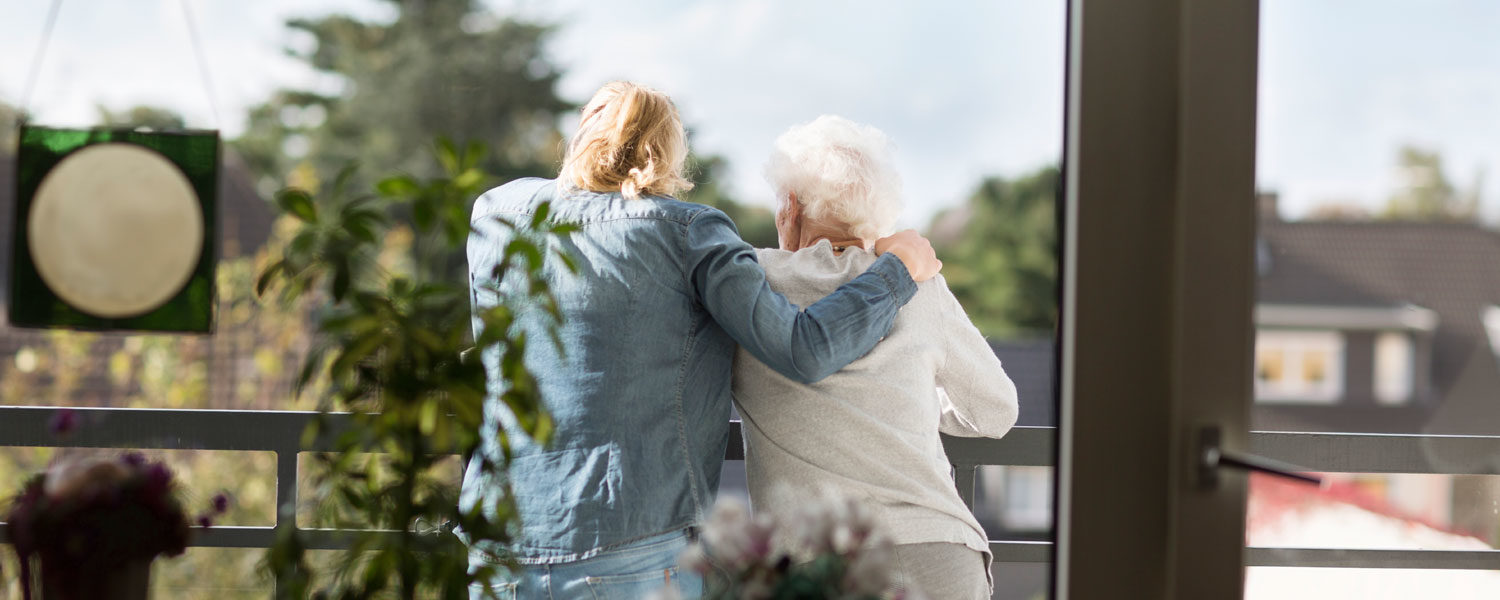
[829, 549]
[388, 350]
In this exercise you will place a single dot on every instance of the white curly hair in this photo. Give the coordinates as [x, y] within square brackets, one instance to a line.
[842, 173]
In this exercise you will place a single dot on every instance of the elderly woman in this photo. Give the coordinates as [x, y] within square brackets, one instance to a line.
[639, 391]
[871, 430]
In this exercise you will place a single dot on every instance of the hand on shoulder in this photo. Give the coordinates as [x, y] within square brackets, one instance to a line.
[914, 251]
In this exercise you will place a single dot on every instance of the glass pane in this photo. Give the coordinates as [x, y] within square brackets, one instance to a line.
[971, 94]
[212, 574]
[1377, 282]
[249, 478]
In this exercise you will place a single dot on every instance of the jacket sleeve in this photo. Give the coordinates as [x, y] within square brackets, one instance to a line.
[804, 345]
[978, 398]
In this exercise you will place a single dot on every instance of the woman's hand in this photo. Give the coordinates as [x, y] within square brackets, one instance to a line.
[914, 251]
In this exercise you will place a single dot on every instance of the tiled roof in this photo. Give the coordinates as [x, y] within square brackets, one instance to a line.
[1452, 269]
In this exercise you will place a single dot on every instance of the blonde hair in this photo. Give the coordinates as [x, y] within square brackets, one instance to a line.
[631, 141]
[842, 172]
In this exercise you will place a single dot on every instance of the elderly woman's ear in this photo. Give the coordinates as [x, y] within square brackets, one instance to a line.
[789, 223]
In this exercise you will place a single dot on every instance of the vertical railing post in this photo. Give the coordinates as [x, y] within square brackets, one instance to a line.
[963, 478]
[286, 499]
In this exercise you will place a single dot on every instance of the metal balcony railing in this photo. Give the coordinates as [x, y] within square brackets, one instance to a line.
[281, 432]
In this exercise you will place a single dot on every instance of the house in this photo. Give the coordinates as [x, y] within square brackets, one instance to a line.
[1384, 327]
[1362, 326]
[1343, 514]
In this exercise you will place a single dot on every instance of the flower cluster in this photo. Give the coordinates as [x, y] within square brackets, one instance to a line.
[101, 514]
[830, 548]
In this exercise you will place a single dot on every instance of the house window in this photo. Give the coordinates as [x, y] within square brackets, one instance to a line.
[1393, 368]
[1300, 366]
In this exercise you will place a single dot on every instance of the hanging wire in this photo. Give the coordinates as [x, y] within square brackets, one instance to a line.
[36, 62]
[203, 72]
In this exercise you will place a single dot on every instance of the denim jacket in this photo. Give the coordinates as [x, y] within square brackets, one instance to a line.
[640, 394]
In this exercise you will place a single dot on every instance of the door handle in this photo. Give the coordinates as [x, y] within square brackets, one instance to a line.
[1212, 457]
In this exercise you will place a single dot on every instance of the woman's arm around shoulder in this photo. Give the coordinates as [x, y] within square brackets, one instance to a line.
[804, 345]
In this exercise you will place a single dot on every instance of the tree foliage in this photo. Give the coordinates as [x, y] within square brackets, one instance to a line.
[756, 224]
[999, 253]
[155, 118]
[1427, 193]
[442, 68]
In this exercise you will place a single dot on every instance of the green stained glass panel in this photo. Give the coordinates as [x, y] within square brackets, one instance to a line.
[185, 304]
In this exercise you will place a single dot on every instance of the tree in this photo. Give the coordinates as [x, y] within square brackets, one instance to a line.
[158, 119]
[442, 68]
[999, 253]
[756, 224]
[1427, 194]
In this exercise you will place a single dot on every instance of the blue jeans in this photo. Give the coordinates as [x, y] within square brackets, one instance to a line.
[630, 572]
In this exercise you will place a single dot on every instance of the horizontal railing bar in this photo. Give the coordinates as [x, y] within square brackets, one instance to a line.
[231, 536]
[276, 430]
[1020, 551]
[1381, 452]
[282, 431]
[1023, 446]
[1009, 551]
[1372, 559]
[147, 428]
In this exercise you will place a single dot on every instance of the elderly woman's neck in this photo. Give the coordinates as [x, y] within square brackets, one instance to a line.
[837, 235]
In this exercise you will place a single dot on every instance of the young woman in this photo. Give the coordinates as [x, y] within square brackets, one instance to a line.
[640, 393]
[870, 431]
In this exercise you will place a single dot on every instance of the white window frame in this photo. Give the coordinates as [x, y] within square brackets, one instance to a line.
[1296, 346]
[1395, 369]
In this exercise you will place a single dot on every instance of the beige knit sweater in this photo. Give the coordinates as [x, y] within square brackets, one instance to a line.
[871, 430]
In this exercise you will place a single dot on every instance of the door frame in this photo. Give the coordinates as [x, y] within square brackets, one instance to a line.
[1159, 281]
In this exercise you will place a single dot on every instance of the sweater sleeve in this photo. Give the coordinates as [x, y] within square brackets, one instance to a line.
[978, 398]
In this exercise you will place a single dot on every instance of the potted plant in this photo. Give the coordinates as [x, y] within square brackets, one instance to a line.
[395, 350]
[89, 529]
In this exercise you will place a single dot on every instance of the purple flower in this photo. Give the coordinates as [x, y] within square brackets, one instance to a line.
[63, 422]
[158, 480]
[134, 459]
[205, 522]
[220, 503]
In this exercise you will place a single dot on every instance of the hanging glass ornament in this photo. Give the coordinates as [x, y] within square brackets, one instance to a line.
[114, 229]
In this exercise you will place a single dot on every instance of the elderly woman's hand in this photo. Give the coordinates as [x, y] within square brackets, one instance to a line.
[914, 251]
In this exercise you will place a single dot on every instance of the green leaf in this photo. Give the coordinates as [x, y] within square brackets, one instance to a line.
[540, 216]
[473, 153]
[341, 181]
[527, 249]
[447, 155]
[399, 186]
[468, 179]
[267, 275]
[297, 203]
[340, 280]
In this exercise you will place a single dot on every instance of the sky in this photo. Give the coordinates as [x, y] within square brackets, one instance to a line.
[966, 89]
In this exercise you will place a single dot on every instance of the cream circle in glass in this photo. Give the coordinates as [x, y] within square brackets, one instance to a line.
[115, 230]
